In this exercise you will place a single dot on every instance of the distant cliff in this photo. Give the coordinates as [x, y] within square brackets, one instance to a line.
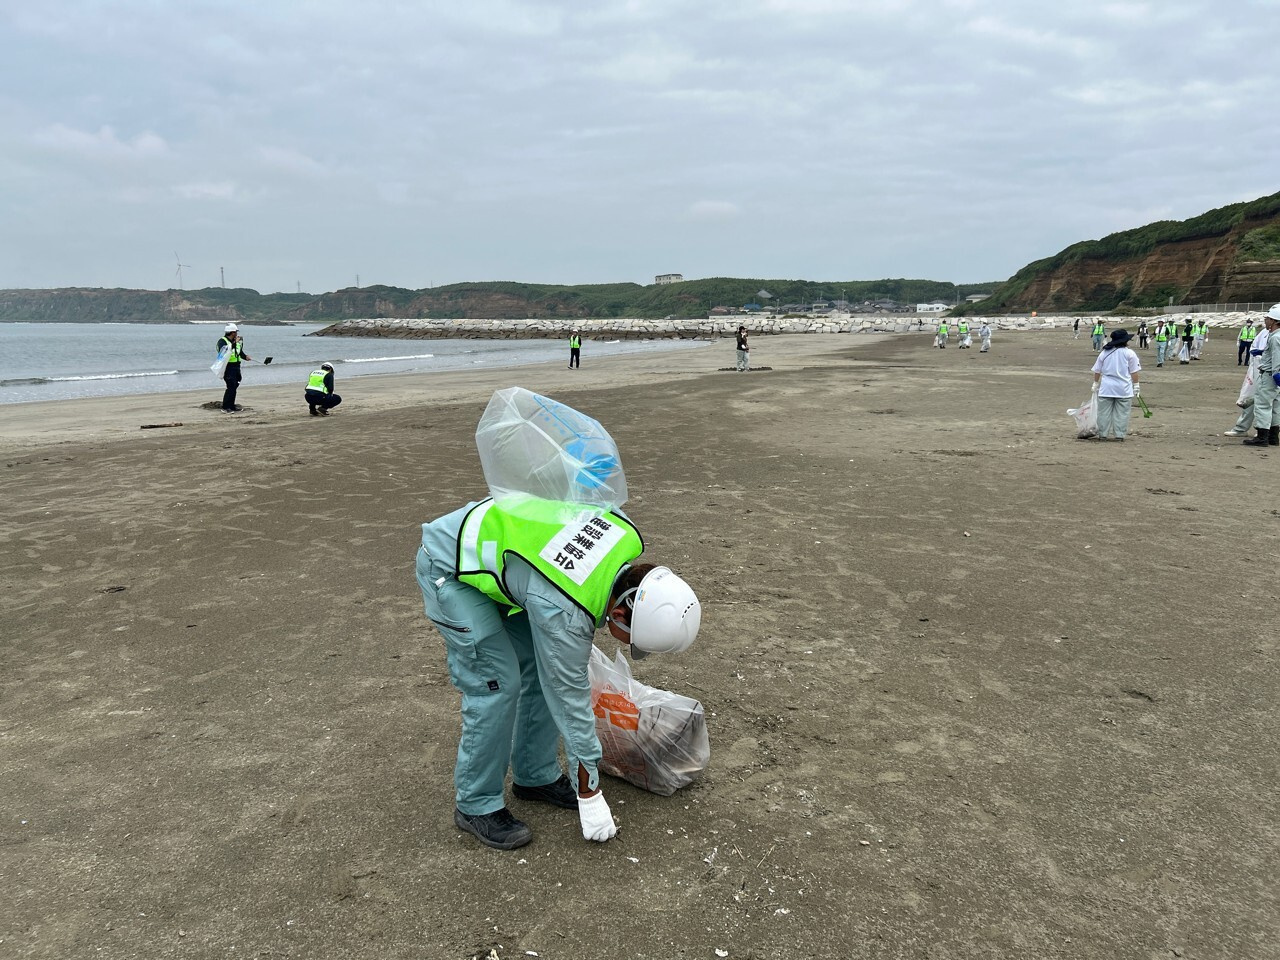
[1228, 255]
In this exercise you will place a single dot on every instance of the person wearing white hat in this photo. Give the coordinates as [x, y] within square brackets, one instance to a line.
[1266, 400]
[575, 348]
[234, 346]
[517, 599]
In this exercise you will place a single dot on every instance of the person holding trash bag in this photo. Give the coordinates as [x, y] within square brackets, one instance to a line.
[743, 348]
[1115, 373]
[517, 595]
[1266, 401]
[319, 393]
[984, 334]
[230, 342]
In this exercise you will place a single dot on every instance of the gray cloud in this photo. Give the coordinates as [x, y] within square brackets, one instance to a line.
[544, 141]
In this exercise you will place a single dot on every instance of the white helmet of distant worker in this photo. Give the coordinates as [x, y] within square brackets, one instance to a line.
[665, 614]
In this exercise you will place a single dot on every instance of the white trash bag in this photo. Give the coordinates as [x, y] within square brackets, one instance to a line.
[533, 446]
[219, 367]
[1086, 417]
[1250, 385]
[652, 738]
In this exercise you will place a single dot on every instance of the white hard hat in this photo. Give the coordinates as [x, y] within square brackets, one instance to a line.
[665, 614]
[230, 328]
[1274, 312]
[327, 366]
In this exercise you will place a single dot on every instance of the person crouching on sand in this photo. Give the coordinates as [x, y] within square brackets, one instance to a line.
[319, 393]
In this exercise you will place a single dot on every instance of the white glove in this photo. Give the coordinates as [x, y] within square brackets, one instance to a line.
[597, 821]
[1137, 390]
[1095, 386]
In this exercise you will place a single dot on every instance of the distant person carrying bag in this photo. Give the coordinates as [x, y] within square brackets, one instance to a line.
[231, 348]
[744, 351]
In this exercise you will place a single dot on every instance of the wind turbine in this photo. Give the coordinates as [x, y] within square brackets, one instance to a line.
[178, 273]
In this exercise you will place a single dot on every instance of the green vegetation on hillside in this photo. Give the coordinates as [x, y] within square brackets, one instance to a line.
[1260, 244]
[1132, 245]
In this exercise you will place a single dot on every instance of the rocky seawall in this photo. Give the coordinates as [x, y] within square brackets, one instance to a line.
[623, 329]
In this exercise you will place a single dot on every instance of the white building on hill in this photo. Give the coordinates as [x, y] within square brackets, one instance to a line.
[936, 307]
[669, 278]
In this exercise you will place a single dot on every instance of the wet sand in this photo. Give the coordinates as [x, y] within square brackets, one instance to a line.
[974, 688]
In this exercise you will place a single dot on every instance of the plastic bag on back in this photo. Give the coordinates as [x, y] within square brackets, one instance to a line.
[534, 447]
[1086, 417]
[652, 738]
[219, 367]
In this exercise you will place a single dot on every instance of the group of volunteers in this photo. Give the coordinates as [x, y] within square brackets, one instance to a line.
[318, 393]
[943, 334]
[1117, 382]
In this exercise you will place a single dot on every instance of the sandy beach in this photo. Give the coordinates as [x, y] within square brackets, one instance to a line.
[974, 688]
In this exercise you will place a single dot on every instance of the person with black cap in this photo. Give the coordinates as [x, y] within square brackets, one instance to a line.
[1115, 373]
[517, 596]
[319, 393]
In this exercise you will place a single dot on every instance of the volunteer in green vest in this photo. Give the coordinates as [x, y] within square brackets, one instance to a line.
[1162, 342]
[319, 393]
[1099, 331]
[1247, 333]
[575, 349]
[962, 329]
[941, 339]
[230, 341]
[1200, 333]
[517, 594]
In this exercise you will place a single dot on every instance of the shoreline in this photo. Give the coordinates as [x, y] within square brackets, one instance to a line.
[59, 422]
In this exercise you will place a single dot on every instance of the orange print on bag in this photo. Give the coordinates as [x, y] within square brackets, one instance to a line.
[618, 710]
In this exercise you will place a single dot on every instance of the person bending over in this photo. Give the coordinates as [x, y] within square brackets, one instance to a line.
[517, 596]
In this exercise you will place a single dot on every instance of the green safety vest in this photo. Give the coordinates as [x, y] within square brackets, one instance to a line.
[575, 342]
[1098, 330]
[963, 328]
[942, 329]
[1247, 333]
[316, 381]
[1162, 335]
[580, 555]
[233, 349]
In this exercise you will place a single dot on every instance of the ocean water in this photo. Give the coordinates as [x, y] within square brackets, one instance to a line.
[58, 361]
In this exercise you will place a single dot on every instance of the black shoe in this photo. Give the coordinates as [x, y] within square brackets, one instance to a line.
[1261, 440]
[499, 829]
[558, 794]
[314, 411]
[1273, 437]
[324, 412]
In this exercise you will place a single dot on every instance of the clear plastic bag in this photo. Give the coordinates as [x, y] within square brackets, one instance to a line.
[219, 367]
[533, 446]
[652, 738]
[1086, 417]
[1250, 385]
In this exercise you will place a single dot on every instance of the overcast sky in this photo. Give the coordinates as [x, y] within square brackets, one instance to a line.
[571, 141]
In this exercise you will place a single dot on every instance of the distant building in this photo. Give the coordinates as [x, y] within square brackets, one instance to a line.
[669, 278]
[936, 307]
[976, 297]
